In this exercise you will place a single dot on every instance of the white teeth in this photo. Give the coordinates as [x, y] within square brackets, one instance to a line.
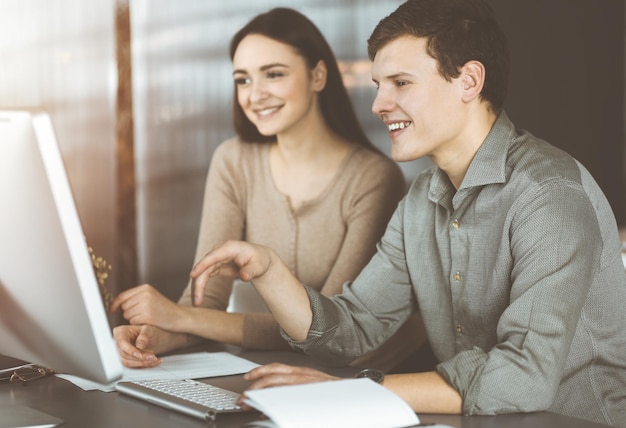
[267, 111]
[398, 125]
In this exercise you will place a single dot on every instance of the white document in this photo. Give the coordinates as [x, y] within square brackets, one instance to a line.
[351, 402]
[184, 366]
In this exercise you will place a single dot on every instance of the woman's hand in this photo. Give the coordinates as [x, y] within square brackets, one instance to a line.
[138, 346]
[145, 305]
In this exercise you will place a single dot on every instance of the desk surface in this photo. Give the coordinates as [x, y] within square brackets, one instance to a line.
[95, 409]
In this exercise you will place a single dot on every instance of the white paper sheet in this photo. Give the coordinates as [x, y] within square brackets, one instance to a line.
[184, 366]
[352, 402]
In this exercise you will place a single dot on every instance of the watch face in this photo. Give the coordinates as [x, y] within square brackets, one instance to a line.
[373, 374]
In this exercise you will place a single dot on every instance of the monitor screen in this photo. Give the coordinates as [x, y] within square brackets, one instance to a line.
[51, 310]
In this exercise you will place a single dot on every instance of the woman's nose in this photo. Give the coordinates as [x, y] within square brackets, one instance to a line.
[258, 91]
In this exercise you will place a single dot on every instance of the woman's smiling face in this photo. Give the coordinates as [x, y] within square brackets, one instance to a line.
[274, 84]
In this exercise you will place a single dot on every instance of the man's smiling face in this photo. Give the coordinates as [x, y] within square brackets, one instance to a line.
[423, 112]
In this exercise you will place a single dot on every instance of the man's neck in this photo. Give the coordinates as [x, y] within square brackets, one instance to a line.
[456, 163]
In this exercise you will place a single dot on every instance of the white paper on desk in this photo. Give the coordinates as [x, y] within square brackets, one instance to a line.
[351, 402]
[196, 365]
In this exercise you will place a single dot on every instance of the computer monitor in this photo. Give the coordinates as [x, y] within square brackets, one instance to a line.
[51, 310]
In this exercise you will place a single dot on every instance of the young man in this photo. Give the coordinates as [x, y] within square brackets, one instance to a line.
[506, 247]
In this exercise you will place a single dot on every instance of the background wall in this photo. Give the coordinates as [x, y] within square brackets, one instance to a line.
[567, 82]
[567, 86]
[60, 55]
[183, 103]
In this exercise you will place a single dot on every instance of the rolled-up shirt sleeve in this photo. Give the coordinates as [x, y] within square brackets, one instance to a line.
[369, 310]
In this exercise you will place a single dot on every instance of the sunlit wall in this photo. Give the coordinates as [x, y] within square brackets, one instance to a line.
[60, 55]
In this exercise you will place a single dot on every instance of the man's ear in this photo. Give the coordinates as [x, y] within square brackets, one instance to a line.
[472, 80]
[319, 74]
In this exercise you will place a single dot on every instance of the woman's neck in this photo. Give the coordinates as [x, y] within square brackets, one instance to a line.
[303, 167]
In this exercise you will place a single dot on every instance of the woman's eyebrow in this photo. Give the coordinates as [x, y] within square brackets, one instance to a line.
[262, 68]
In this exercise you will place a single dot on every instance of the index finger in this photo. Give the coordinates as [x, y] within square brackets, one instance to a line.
[198, 284]
[122, 297]
[209, 264]
[207, 267]
[200, 275]
[127, 349]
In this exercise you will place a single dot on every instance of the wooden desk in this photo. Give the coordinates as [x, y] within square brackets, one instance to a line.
[95, 409]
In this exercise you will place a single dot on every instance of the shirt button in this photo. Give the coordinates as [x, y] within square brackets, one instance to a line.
[456, 224]
[459, 329]
[457, 276]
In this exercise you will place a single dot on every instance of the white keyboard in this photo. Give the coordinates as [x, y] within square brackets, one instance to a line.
[194, 398]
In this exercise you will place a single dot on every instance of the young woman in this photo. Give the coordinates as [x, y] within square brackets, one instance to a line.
[300, 177]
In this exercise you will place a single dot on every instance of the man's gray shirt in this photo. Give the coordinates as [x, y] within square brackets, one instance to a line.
[518, 277]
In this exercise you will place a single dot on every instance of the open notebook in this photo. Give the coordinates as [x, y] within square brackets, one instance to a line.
[334, 404]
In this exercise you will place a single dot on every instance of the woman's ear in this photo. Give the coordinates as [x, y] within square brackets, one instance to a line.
[319, 76]
[472, 80]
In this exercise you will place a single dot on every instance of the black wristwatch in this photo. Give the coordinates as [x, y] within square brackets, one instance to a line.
[373, 374]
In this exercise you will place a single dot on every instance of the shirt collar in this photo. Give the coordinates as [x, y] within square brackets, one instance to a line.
[489, 163]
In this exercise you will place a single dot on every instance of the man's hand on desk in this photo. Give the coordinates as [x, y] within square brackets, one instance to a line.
[277, 374]
[138, 345]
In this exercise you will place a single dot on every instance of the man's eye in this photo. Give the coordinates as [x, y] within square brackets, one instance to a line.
[401, 83]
